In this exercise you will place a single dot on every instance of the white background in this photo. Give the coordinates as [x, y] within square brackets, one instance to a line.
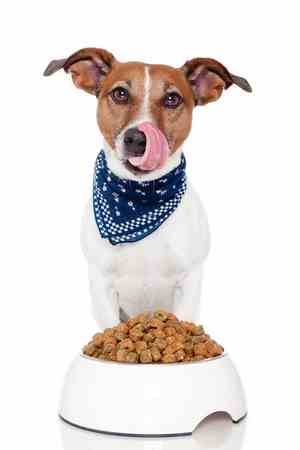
[243, 158]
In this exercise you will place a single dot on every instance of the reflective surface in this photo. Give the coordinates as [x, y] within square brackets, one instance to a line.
[217, 432]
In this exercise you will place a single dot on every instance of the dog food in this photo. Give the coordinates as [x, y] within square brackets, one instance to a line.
[153, 338]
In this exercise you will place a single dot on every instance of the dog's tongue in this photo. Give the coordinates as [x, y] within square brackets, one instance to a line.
[157, 148]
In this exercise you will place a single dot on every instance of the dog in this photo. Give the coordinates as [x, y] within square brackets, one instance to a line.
[145, 109]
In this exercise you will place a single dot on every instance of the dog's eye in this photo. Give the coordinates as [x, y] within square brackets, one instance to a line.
[172, 100]
[120, 95]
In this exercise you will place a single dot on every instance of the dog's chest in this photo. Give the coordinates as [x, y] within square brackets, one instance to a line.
[168, 252]
[160, 255]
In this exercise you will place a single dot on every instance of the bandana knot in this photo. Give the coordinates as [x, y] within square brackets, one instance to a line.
[128, 211]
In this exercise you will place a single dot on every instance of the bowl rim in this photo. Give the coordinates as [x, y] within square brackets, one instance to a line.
[175, 364]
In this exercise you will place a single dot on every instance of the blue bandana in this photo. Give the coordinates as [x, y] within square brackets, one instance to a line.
[128, 211]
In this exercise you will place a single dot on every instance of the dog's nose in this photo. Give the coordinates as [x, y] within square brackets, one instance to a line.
[135, 142]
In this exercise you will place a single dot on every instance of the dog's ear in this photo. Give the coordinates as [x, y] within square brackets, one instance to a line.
[88, 67]
[208, 78]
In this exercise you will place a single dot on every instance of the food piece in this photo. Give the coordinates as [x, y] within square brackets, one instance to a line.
[169, 358]
[189, 347]
[140, 346]
[121, 355]
[172, 317]
[132, 357]
[155, 323]
[156, 355]
[153, 338]
[98, 339]
[213, 349]
[173, 348]
[180, 355]
[120, 336]
[90, 349]
[109, 332]
[146, 357]
[198, 331]
[127, 344]
[170, 331]
[160, 343]
[200, 350]
[161, 315]
[109, 347]
[137, 332]
[159, 333]
[111, 356]
[171, 340]
[149, 337]
[122, 328]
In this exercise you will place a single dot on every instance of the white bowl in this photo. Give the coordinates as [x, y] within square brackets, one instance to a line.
[214, 433]
[150, 399]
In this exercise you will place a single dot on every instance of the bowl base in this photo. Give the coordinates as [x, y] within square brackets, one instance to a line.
[154, 400]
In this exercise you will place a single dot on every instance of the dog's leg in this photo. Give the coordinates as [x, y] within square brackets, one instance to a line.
[187, 296]
[105, 305]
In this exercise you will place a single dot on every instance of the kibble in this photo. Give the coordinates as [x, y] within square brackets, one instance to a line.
[169, 358]
[156, 355]
[153, 338]
[132, 357]
[121, 355]
[127, 344]
[140, 346]
[146, 357]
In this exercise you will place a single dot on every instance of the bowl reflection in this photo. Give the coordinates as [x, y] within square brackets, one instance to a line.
[217, 432]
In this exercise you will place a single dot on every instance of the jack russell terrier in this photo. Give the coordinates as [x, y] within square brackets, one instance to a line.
[145, 234]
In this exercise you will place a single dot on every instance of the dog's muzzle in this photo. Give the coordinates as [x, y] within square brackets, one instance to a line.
[134, 142]
[146, 147]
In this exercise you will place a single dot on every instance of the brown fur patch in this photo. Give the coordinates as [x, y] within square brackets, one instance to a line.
[174, 123]
[111, 117]
[209, 77]
[198, 81]
[97, 71]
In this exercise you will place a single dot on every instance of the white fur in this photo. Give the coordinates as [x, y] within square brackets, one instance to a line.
[163, 270]
[145, 111]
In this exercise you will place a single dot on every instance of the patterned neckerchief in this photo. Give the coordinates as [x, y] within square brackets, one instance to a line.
[128, 211]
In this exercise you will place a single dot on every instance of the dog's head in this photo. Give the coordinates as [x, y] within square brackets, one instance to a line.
[145, 111]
